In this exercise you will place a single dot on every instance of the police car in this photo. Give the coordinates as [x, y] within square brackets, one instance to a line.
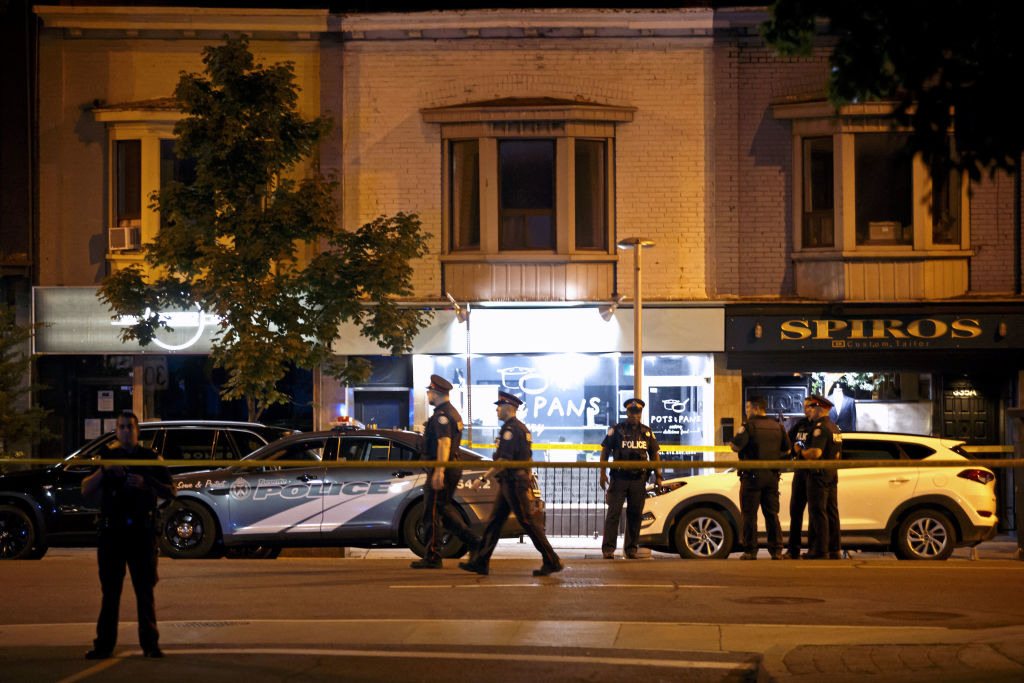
[922, 513]
[307, 503]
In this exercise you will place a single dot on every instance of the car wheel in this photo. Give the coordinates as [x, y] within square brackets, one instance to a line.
[252, 552]
[703, 534]
[17, 534]
[188, 531]
[416, 540]
[925, 535]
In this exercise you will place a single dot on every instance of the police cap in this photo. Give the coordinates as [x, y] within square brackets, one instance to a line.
[439, 384]
[634, 405]
[820, 401]
[507, 399]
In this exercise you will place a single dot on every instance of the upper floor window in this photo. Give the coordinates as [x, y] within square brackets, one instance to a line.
[861, 189]
[528, 176]
[142, 159]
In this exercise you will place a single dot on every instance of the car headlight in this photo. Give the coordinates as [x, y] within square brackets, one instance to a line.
[671, 486]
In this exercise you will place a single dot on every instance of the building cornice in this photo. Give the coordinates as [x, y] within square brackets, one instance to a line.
[135, 20]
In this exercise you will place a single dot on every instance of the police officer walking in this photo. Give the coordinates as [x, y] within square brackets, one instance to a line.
[128, 531]
[628, 441]
[515, 493]
[825, 443]
[799, 434]
[442, 436]
[760, 438]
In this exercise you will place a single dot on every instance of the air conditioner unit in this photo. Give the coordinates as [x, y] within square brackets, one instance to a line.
[126, 237]
[884, 231]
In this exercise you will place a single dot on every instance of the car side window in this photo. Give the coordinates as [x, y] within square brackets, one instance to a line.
[352, 450]
[247, 442]
[855, 449]
[222, 448]
[379, 450]
[311, 450]
[399, 452]
[916, 451]
[189, 444]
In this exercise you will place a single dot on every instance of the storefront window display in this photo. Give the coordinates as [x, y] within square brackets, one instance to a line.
[573, 399]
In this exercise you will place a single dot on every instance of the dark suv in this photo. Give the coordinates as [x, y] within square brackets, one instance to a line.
[44, 507]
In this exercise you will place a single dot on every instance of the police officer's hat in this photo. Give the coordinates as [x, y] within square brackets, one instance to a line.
[507, 399]
[634, 405]
[439, 384]
[820, 401]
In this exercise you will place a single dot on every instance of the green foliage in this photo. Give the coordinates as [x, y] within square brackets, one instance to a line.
[230, 239]
[17, 425]
[947, 63]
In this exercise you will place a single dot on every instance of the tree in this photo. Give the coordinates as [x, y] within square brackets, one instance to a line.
[948, 64]
[18, 424]
[229, 239]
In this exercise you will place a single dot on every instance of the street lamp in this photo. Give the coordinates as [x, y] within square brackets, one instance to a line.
[462, 315]
[637, 244]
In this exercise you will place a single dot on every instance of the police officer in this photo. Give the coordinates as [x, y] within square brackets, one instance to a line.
[825, 443]
[799, 434]
[442, 436]
[627, 441]
[128, 529]
[760, 438]
[515, 493]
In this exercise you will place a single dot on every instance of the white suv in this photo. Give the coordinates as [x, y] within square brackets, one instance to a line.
[922, 513]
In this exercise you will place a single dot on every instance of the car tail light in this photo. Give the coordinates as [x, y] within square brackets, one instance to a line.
[980, 476]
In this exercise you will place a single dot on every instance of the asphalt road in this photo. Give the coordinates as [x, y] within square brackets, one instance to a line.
[372, 618]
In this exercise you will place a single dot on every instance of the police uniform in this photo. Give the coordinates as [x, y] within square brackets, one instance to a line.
[627, 443]
[515, 495]
[822, 488]
[438, 513]
[799, 433]
[128, 531]
[760, 438]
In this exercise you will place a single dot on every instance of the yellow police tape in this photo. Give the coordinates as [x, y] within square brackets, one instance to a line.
[512, 464]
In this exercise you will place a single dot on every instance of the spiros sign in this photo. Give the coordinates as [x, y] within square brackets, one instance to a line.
[824, 332]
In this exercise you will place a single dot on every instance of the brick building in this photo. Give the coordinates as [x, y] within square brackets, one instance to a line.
[530, 142]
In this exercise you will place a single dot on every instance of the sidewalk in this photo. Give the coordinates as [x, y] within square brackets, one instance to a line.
[588, 547]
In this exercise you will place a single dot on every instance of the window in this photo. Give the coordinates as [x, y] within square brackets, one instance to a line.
[529, 175]
[465, 194]
[862, 191]
[128, 211]
[883, 205]
[591, 194]
[819, 184]
[174, 168]
[526, 175]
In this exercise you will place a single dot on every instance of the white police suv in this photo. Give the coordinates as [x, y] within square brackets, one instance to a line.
[922, 513]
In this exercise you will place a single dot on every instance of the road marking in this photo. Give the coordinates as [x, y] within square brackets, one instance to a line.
[483, 656]
[97, 668]
[550, 585]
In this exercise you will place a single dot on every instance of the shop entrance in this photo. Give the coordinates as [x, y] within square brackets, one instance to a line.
[968, 413]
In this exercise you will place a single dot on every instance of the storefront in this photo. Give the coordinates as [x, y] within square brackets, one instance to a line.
[90, 374]
[572, 368]
[948, 370]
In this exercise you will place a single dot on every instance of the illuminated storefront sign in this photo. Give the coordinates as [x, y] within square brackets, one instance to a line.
[574, 398]
[74, 320]
[868, 333]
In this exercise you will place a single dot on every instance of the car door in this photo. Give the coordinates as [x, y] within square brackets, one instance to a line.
[867, 496]
[76, 516]
[287, 500]
[364, 503]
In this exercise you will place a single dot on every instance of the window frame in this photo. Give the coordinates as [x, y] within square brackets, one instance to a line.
[817, 120]
[562, 122]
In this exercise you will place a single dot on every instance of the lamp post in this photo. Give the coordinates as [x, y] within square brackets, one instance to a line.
[637, 244]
